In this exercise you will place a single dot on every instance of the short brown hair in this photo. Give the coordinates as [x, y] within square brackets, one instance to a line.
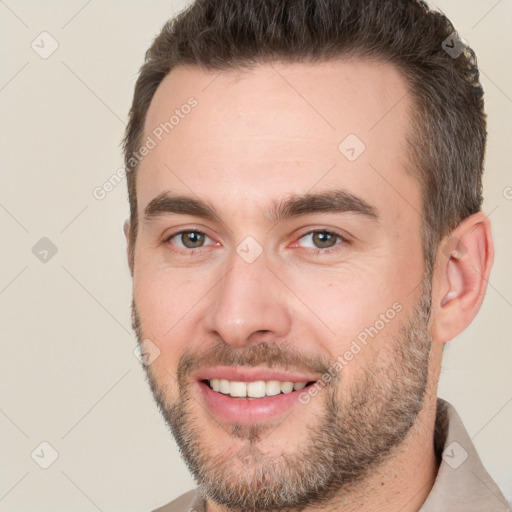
[448, 136]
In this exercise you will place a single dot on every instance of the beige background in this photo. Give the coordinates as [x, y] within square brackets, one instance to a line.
[69, 376]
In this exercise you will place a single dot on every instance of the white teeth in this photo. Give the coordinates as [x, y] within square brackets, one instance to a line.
[238, 389]
[286, 387]
[256, 389]
[273, 388]
[224, 386]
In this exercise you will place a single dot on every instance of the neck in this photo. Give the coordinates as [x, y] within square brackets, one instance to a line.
[404, 480]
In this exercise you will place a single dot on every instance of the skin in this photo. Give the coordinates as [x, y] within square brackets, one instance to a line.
[258, 136]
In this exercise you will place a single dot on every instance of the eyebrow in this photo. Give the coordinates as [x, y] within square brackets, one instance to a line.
[296, 205]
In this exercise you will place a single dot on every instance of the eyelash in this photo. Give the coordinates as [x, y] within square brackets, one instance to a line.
[336, 247]
[316, 251]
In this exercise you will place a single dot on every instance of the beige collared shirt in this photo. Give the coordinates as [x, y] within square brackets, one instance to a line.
[462, 483]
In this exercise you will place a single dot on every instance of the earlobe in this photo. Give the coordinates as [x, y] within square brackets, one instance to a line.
[465, 260]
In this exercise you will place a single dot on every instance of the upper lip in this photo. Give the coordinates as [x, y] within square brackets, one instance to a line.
[250, 374]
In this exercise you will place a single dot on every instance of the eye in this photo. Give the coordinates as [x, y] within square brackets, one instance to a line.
[190, 239]
[321, 239]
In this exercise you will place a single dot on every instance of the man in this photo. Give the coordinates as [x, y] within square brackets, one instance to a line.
[305, 235]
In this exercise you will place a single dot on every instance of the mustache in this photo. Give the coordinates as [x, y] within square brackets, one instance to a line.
[266, 354]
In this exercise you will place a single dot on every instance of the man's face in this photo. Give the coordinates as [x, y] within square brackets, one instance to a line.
[253, 293]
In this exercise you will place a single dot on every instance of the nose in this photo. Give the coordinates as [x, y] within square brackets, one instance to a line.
[248, 304]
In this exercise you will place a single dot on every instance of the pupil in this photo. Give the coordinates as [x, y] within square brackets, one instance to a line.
[192, 239]
[323, 239]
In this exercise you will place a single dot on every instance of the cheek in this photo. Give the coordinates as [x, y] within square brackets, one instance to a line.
[353, 312]
[166, 303]
[165, 294]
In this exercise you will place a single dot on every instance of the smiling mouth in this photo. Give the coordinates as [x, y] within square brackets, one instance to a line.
[255, 389]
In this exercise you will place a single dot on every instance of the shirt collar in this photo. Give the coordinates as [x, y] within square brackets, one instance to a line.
[462, 483]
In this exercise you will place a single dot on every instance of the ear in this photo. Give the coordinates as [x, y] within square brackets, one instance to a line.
[129, 249]
[464, 261]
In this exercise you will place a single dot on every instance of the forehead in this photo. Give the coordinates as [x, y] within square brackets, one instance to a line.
[279, 128]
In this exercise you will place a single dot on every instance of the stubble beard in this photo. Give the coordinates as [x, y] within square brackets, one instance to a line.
[344, 445]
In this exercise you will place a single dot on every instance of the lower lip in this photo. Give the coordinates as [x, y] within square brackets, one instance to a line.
[247, 411]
